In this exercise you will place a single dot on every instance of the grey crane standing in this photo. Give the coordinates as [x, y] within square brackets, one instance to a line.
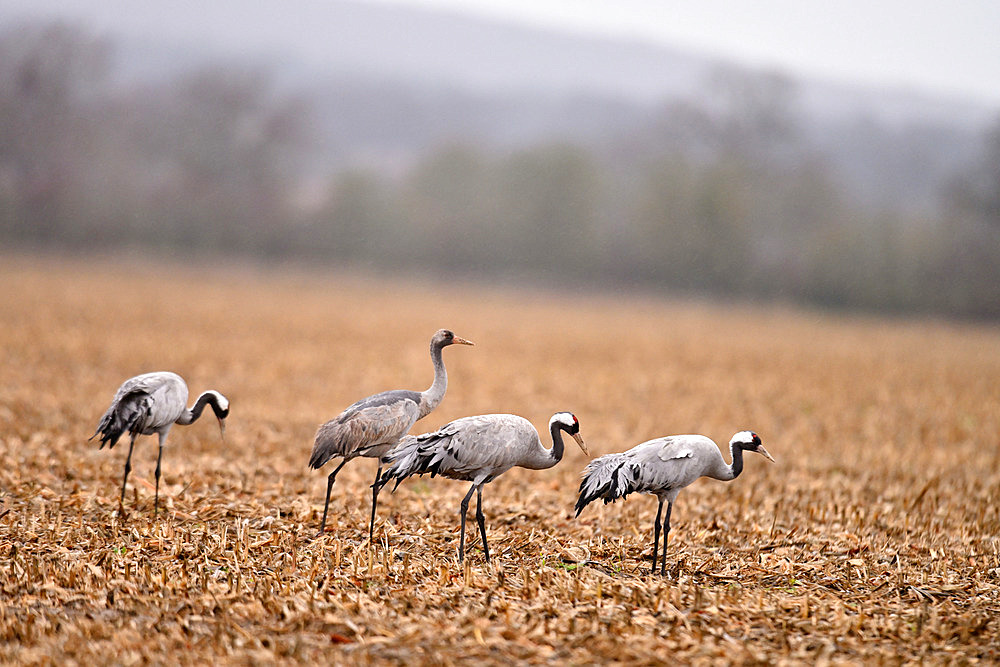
[478, 450]
[153, 403]
[373, 425]
[662, 467]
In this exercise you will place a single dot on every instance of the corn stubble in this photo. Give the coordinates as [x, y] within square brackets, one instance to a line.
[876, 537]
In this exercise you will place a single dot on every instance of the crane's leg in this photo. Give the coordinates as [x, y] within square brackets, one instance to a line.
[666, 531]
[329, 485]
[375, 489]
[128, 469]
[465, 508]
[656, 535]
[482, 521]
[159, 458]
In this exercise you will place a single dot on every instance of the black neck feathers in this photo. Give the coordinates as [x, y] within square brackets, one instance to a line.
[737, 466]
[208, 398]
[557, 441]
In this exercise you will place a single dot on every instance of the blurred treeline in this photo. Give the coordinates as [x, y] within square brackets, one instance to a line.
[720, 197]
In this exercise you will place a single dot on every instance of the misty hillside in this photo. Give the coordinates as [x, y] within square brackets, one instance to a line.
[387, 83]
[316, 38]
[312, 39]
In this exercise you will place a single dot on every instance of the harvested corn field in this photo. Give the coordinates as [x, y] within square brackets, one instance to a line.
[875, 537]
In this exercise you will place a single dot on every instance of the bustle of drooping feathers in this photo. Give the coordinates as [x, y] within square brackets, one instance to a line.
[127, 416]
[418, 455]
[328, 439]
[610, 477]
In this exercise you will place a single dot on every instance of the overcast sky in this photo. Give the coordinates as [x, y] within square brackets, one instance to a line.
[947, 46]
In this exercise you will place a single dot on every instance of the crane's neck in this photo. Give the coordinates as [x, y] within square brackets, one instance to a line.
[432, 397]
[212, 398]
[546, 458]
[733, 470]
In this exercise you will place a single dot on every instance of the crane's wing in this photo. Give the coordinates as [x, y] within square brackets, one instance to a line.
[661, 465]
[485, 445]
[672, 447]
[671, 463]
[148, 383]
[471, 448]
[381, 419]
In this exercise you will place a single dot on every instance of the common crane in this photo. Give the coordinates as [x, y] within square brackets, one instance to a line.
[662, 467]
[153, 403]
[374, 424]
[479, 449]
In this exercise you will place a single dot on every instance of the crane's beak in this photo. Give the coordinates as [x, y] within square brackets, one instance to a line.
[583, 445]
[763, 452]
[461, 341]
[222, 427]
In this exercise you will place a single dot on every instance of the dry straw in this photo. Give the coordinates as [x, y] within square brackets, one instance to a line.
[875, 538]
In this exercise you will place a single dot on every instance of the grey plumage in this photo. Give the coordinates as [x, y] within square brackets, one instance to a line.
[367, 428]
[479, 449]
[153, 403]
[371, 426]
[662, 467]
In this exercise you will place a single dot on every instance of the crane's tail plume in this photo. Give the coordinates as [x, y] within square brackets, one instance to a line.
[126, 415]
[332, 439]
[610, 477]
[416, 455]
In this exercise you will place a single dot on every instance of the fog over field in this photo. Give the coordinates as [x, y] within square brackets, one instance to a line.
[392, 138]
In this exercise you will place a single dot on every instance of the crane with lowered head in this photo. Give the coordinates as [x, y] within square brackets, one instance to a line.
[153, 403]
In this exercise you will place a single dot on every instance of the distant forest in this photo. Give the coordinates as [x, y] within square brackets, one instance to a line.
[723, 197]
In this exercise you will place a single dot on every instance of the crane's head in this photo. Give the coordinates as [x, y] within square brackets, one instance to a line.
[220, 406]
[749, 441]
[445, 337]
[568, 422]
